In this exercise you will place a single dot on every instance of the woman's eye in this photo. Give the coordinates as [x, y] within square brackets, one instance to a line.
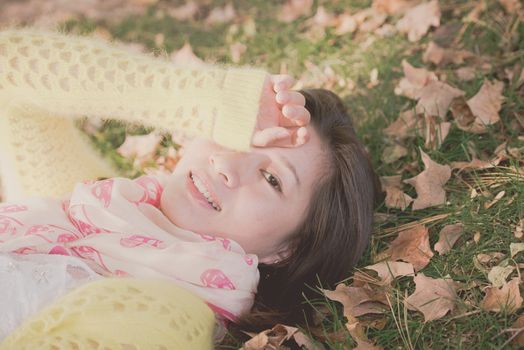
[272, 180]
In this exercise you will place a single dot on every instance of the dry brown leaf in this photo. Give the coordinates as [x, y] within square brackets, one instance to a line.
[511, 6]
[350, 298]
[186, 57]
[475, 164]
[394, 152]
[391, 7]
[516, 248]
[389, 270]
[323, 18]
[429, 183]
[140, 147]
[412, 246]
[434, 297]
[435, 131]
[237, 50]
[506, 298]
[395, 197]
[184, 12]
[498, 274]
[442, 56]
[49, 13]
[221, 14]
[465, 73]
[270, 338]
[435, 98]
[304, 341]
[404, 126]
[417, 20]
[414, 80]
[447, 238]
[346, 24]
[485, 105]
[294, 9]
[518, 325]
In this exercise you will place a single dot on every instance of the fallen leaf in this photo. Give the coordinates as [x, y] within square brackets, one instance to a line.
[270, 338]
[346, 24]
[429, 182]
[435, 98]
[414, 80]
[465, 120]
[394, 152]
[140, 147]
[184, 12]
[434, 297]
[498, 274]
[221, 14]
[474, 164]
[447, 238]
[304, 341]
[186, 57]
[417, 20]
[511, 6]
[486, 104]
[465, 73]
[506, 298]
[412, 246]
[516, 248]
[373, 78]
[404, 126]
[237, 50]
[294, 9]
[391, 7]
[389, 270]
[442, 56]
[350, 298]
[395, 197]
[323, 18]
[518, 325]
[435, 131]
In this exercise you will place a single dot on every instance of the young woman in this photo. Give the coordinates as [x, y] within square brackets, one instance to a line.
[269, 198]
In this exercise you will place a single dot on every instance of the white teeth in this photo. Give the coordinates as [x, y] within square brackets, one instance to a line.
[204, 191]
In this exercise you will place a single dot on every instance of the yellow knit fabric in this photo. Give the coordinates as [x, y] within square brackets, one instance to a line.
[46, 74]
[119, 314]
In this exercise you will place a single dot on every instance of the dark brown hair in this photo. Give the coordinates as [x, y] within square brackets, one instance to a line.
[336, 229]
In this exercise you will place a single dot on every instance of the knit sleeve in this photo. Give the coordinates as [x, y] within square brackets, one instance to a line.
[119, 313]
[73, 76]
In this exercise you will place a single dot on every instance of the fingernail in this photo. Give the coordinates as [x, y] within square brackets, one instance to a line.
[281, 97]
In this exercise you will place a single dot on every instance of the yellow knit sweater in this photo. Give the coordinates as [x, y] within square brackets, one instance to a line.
[49, 78]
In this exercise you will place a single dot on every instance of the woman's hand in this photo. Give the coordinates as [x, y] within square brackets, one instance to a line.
[282, 117]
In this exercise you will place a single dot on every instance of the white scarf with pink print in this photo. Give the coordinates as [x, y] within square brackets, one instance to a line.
[117, 228]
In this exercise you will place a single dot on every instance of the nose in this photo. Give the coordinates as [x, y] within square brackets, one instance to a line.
[236, 168]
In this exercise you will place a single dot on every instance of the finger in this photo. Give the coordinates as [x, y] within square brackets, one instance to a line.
[282, 82]
[290, 97]
[266, 137]
[295, 116]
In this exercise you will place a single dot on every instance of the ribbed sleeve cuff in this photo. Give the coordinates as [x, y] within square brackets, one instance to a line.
[240, 103]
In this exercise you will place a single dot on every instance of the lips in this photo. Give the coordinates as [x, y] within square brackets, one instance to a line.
[197, 195]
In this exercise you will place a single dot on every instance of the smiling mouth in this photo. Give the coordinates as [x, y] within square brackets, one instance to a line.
[204, 192]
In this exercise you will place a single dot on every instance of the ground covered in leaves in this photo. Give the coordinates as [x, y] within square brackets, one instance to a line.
[436, 89]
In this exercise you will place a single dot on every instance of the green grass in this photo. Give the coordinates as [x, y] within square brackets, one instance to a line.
[497, 36]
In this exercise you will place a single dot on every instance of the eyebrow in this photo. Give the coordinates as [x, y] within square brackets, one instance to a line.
[290, 166]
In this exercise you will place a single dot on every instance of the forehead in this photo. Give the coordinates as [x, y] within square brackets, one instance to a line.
[308, 159]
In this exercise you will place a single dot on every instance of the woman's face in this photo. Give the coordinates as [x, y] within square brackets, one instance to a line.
[245, 185]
